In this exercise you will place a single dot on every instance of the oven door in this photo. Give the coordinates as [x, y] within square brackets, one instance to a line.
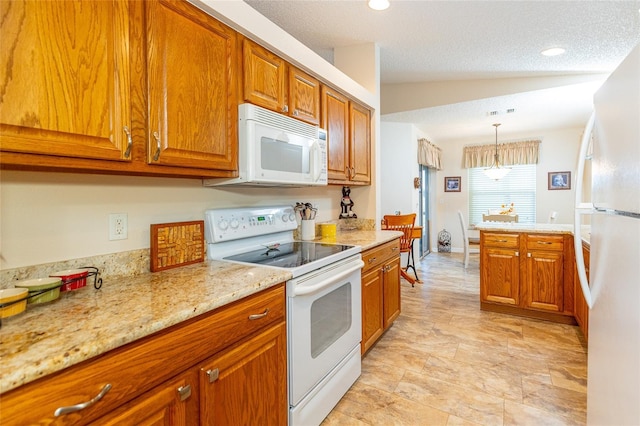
[324, 323]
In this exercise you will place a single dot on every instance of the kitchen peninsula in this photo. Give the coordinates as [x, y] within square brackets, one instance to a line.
[529, 270]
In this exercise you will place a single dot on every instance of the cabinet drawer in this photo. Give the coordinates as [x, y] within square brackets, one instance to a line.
[141, 365]
[545, 242]
[501, 240]
[378, 255]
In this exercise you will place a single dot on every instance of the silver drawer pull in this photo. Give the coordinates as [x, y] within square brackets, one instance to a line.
[258, 316]
[371, 260]
[184, 392]
[394, 248]
[157, 138]
[500, 241]
[127, 153]
[213, 375]
[73, 408]
[544, 242]
[528, 254]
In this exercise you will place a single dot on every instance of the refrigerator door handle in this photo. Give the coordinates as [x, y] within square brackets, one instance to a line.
[580, 209]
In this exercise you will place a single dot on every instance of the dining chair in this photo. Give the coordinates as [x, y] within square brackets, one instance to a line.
[499, 218]
[467, 241]
[404, 224]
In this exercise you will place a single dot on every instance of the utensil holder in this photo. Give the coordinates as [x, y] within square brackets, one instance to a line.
[308, 229]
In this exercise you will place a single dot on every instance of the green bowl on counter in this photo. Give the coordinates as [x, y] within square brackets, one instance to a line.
[37, 287]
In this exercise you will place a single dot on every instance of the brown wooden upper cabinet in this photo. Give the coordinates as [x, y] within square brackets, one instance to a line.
[193, 109]
[65, 78]
[272, 83]
[348, 126]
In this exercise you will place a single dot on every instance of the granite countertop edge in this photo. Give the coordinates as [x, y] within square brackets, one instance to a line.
[86, 322]
[539, 228]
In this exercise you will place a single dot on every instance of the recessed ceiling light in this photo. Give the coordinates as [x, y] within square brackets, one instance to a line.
[554, 51]
[378, 4]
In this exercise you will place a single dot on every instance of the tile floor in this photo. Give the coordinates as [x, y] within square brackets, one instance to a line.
[445, 362]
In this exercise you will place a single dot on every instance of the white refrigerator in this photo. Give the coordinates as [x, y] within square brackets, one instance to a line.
[613, 290]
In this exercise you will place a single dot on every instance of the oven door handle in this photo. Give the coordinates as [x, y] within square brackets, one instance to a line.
[302, 291]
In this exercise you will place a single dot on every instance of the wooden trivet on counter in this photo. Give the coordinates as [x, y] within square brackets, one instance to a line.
[176, 244]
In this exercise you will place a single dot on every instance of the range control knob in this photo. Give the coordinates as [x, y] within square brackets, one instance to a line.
[285, 218]
[292, 217]
[234, 223]
[223, 224]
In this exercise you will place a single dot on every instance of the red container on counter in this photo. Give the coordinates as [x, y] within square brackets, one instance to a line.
[72, 279]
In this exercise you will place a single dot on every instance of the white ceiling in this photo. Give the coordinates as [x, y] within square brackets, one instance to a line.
[465, 40]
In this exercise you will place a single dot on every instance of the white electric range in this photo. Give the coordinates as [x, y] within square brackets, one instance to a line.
[323, 301]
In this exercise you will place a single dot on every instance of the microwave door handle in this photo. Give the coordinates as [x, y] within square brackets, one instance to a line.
[317, 167]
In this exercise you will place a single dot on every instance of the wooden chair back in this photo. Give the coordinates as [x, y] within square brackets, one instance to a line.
[403, 223]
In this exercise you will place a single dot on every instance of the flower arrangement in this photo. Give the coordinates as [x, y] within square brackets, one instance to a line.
[510, 209]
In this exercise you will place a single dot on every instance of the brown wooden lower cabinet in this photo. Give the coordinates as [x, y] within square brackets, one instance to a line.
[220, 365]
[528, 274]
[381, 303]
[582, 309]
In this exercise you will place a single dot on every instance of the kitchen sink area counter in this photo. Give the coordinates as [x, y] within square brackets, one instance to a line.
[86, 323]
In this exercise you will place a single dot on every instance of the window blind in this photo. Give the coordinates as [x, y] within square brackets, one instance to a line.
[518, 187]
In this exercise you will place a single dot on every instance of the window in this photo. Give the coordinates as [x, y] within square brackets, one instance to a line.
[518, 187]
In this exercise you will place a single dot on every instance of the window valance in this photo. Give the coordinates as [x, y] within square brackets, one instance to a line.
[510, 153]
[429, 154]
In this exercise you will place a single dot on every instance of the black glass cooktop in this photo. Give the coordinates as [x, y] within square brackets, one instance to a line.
[289, 255]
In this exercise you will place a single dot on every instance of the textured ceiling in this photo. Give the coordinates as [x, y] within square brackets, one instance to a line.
[462, 40]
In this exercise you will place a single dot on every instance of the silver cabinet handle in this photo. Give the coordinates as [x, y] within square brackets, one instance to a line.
[73, 408]
[285, 108]
[184, 392]
[528, 254]
[372, 259]
[499, 241]
[258, 316]
[157, 138]
[127, 132]
[213, 375]
[394, 248]
[353, 172]
[545, 242]
[517, 254]
[296, 112]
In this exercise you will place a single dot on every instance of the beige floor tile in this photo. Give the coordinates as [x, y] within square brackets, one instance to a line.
[458, 400]
[446, 362]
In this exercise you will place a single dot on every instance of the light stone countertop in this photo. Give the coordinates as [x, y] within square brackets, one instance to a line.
[86, 322]
[364, 239]
[541, 228]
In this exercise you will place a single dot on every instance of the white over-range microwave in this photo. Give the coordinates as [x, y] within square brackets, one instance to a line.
[276, 150]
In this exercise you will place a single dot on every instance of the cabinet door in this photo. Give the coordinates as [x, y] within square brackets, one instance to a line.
[247, 384]
[304, 96]
[500, 280]
[391, 291]
[360, 151]
[65, 78]
[335, 120]
[372, 308]
[545, 280]
[173, 403]
[192, 96]
[264, 77]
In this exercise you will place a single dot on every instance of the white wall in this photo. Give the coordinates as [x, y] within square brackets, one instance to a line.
[399, 166]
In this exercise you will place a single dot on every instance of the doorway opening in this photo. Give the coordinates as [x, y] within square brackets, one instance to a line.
[423, 210]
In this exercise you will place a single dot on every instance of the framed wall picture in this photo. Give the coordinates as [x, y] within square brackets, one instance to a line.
[452, 184]
[559, 180]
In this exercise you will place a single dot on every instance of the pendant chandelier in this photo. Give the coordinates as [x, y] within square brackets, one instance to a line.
[496, 172]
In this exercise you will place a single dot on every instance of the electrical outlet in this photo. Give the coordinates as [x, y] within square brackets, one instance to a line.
[117, 226]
